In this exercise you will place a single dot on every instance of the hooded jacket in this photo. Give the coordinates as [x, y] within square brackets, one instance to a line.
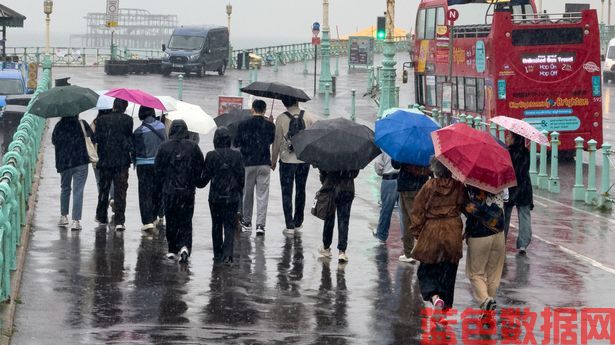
[69, 143]
[113, 136]
[224, 168]
[146, 142]
[179, 162]
[436, 221]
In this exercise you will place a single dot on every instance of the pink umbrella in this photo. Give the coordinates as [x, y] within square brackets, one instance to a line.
[137, 97]
[522, 128]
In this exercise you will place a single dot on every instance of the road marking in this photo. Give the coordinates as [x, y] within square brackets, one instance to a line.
[541, 204]
[576, 209]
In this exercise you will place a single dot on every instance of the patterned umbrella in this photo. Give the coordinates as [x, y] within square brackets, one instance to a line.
[522, 128]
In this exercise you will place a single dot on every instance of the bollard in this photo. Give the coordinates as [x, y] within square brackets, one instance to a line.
[240, 84]
[275, 63]
[462, 118]
[533, 170]
[502, 133]
[353, 108]
[605, 186]
[337, 64]
[326, 109]
[493, 129]
[438, 118]
[554, 179]
[180, 87]
[578, 191]
[477, 122]
[591, 194]
[370, 79]
[305, 64]
[543, 178]
[397, 96]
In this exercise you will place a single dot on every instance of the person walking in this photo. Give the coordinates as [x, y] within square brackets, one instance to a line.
[225, 170]
[486, 244]
[178, 170]
[341, 183]
[147, 139]
[388, 195]
[292, 170]
[72, 161]
[101, 113]
[254, 138]
[521, 196]
[437, 226]
[410, 180]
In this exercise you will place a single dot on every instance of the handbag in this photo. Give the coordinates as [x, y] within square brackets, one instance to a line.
[324, 203]
[89, 145]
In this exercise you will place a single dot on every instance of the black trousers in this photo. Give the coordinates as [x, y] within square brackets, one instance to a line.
[438, 279]
[149, 203]
[293, 174]
[179, 209]
[343, 203]
[119, 177]
[224, 222]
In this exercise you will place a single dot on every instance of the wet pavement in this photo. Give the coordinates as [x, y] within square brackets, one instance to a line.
[103, 287]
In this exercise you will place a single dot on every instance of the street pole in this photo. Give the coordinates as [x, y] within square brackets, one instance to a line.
[47, 9]
[539, 7]
[325, 68]
[315, 66]
[609, 13]
[602, 12]
[229, 11]
[387, 94]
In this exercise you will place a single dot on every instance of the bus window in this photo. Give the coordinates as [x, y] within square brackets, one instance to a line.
[480, 90]
[440, 17]
[470, 94]
[420, 25]
[430, 24]
[461, 93]
[430, 90]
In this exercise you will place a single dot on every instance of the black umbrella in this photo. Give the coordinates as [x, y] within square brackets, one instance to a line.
[336, 144]
[64, 101]
[275, 90]
[232, 119]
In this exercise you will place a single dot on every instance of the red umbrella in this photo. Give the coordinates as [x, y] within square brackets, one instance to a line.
[137, 97]
[474, 157]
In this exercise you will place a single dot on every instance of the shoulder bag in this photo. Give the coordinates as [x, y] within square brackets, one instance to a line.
[89, 145]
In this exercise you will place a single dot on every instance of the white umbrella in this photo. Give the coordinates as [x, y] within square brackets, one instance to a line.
[196, 118]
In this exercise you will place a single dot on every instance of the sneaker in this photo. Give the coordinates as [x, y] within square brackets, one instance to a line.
[438, 304]
[522, 251]
[289, 231]
[260, 230]
[159, 221]
[147, 227]
[171, 256]
[439, 314]
[404, 258]
[299, 227]
[325, 252]
[183, 255]
[76, 225]
[375, 233]
[228, 260]
[246, 226]
[120, 227]
[111, 203]
[63, 221]
[342, 257]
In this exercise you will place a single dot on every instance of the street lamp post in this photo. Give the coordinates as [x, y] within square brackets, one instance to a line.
[47, 8]
[387, 94]
[229, 11]
[325, 70]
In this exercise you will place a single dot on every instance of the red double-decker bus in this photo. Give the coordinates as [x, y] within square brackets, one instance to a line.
[542, 68]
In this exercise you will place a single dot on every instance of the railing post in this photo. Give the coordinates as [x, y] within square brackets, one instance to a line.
[240, 84]
[591, 194]
[337, 64]
[554, 179]
[543, 178]
[493, 129]
[462, 118]
[502, 134]
[396, 96]
[477, 122]
[604, 200]
[275, 63]
[533, 167]
[180, 87]
[370, 78]
[578, 191]
[326, 109]
[353, 109]
[438, 117]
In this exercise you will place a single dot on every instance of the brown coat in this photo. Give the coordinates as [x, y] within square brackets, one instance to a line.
[436, 221]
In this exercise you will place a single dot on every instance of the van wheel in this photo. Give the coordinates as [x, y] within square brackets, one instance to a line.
[200, 72]
[222, 69]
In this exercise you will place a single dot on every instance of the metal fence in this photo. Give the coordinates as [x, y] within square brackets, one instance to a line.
[16, 177]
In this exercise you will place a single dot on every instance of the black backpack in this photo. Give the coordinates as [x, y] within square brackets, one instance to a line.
[296, 125]
[228, 189]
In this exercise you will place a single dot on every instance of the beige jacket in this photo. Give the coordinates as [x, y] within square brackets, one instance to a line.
[279, 149]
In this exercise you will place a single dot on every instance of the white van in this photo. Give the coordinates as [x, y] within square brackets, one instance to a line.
[608, 73]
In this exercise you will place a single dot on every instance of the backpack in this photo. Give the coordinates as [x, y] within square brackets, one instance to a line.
[225, 190]
[296, 125]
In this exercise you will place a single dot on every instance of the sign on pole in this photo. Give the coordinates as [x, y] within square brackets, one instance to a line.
[113, 11]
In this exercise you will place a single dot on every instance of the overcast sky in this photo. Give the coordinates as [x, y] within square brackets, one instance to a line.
[283, 20]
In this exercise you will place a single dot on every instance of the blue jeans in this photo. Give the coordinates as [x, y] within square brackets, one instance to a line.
[525, 224]
[388, 198]
[76, 178]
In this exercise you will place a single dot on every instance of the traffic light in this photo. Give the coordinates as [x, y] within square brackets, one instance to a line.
[381, 29]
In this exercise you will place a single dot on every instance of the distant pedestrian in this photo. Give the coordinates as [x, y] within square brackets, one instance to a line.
[101, 113]
[72, 163]
[254, 138]
[293, 172]
[113, 137]
[437, 225]
[389, 195]
[486, 244]
[410, 180]
[178, 165]
[224, 168]
[147, 140]
[521, 196]
[342, 185]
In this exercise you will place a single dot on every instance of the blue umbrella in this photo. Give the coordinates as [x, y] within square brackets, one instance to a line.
[405, 135]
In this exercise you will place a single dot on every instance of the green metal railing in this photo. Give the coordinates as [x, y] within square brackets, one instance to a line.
[16, 177]
[70, 56]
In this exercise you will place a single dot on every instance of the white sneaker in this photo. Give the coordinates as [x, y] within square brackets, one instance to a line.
[342, 257]
[289, 231]
[260, 230]
[120, 227]
[63, 221]
[76, 225]
[159, 221]
[183, 255]
[325, 252]
[404, 258]
[299, 228]
[147, 227]
[171, 256]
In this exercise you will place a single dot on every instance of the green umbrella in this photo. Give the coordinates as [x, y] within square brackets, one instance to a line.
[64, 101]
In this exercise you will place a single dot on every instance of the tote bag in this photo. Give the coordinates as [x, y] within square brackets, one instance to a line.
[89, 145]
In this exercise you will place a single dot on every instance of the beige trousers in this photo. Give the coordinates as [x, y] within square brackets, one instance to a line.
[484, 264]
